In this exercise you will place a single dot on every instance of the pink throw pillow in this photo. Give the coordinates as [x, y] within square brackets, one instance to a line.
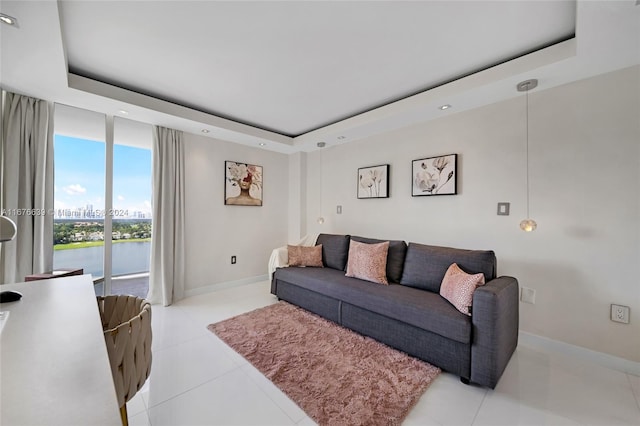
[368, 261]
[458, 287]
[305, 256]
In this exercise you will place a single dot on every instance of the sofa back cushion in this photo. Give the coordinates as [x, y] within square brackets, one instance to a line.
[395, 256]
[335, 249]
[425, 266]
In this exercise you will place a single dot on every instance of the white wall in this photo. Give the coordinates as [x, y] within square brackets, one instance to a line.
[585, 186]
[297, 196]
[215, 232]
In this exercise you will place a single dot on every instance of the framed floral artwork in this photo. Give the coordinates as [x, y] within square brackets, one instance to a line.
[373, 182]
[242, 184]
[434, 176]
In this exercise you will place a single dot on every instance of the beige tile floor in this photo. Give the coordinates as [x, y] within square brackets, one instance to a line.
[197, 380]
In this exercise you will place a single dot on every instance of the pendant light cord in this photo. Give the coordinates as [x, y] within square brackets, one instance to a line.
[321, 145]
[527, 121]
[321, 181]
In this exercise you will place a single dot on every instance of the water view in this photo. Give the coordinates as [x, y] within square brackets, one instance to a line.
[128, 258]
[79, 204]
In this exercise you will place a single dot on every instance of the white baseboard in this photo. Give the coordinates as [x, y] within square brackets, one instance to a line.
[223, 285]
[600, 358]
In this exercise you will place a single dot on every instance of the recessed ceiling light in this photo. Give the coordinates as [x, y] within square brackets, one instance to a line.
[205, 131]
[9, 20]
[262, 144]
[123, 112]
[321, 144]
[443, 107]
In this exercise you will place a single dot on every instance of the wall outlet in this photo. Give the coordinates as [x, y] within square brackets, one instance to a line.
[528, 295]
[620, 313]
[233, 260]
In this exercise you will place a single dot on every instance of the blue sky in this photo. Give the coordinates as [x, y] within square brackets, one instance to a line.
[80, 175]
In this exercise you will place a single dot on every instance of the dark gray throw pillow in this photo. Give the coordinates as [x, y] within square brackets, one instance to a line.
[425, 266]
[395, 256]
[335, 250]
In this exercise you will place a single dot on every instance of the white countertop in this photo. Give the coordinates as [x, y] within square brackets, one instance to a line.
[54, 367]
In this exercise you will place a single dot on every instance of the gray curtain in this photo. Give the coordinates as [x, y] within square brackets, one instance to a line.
[166, 275]
[27, 185]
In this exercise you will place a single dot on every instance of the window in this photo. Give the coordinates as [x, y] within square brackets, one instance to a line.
[119, 262]
[79, 161]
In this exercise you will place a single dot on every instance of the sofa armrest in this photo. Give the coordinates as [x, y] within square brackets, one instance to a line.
[279, 258]
[494, 317]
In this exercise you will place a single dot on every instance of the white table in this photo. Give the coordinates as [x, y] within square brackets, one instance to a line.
[54, 367]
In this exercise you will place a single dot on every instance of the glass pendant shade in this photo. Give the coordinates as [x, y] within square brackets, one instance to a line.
[528, 225]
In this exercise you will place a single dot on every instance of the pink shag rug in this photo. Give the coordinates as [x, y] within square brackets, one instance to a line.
[336, 376]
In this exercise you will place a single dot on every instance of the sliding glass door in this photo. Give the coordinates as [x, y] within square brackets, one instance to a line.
[131, 220]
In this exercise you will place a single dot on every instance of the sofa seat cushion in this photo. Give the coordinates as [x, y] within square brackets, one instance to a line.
[422, 309]
[425, 266]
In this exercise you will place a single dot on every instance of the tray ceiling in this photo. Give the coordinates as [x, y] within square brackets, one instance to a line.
[292, 67]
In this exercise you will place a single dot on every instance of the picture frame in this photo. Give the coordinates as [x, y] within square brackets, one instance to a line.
[434, 176]
[243, 184]
[373, 182]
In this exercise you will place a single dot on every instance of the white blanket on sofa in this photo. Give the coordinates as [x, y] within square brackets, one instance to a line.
[280, 258]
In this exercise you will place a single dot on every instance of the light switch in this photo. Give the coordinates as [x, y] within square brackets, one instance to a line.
[503, 209]
[339, 209]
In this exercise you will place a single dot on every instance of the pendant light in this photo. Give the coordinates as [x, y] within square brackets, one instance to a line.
[527, 224]
[321, 145]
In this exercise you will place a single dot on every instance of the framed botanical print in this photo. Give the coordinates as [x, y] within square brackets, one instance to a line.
[434, 176]
[373, 182]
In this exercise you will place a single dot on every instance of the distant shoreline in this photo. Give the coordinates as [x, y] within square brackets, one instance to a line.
[85, 244]
[100, 219]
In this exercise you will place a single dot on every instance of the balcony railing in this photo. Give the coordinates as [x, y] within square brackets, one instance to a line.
[133, 284]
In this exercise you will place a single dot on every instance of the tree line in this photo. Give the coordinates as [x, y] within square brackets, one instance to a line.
[68, 231]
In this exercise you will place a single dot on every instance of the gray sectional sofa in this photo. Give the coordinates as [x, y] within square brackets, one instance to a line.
[409, 314]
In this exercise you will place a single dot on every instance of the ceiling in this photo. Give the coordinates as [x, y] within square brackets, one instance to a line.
[291, 74]
[293, 67]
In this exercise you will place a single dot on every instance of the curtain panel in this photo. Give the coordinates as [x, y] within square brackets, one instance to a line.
[166, 275]
[27, 185]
